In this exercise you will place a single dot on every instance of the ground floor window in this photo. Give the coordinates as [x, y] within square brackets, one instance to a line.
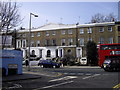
[69, 51]
[40, 53]
[48, 53]
[60, 52]
[56, 52]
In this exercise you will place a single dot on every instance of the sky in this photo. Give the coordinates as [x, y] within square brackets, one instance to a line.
[63, 12]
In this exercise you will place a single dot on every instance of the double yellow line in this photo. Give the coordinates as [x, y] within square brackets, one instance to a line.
[117, 86]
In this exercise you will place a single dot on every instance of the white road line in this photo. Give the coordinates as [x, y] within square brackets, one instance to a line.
[91, 76]
[72, 73]
[15, 86]
[88, 74]
[80, 73]
[37, 73]
[55, 85]
[65, 73]
[64, 78]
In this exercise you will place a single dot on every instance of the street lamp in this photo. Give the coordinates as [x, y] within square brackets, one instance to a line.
[30, 39]
[77, 35]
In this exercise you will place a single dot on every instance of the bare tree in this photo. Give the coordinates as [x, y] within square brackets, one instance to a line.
[9, 17]
[99, 18]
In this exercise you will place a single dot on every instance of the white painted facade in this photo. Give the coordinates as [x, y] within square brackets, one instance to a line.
[42, 52]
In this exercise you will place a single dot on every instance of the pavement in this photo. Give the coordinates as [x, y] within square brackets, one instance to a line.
[81, 67]
[35, 75]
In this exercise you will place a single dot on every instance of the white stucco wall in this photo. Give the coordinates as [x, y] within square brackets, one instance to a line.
[44, 51]
[53, 51]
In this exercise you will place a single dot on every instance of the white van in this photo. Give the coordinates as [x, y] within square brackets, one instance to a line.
[83, 61]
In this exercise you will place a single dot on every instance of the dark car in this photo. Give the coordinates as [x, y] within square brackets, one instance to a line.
[111, 64]
[48, 64]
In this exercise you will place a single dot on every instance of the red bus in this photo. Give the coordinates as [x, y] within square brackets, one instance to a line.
[106, 51]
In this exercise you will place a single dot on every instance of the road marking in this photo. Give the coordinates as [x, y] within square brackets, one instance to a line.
[80, 73]
[117, 86]
[91, 76]
[64, 78]
[54, 85]
[15, 86]
[65, 73]
[88, 74]
[72, 73]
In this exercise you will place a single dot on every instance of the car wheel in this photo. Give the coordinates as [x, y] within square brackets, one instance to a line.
[41, 66]
[54, 66]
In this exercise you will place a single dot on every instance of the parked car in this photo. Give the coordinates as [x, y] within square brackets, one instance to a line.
[83, 61]
[48, 64]
[111, 64]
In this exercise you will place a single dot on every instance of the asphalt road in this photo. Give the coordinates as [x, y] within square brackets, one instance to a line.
[67, 78]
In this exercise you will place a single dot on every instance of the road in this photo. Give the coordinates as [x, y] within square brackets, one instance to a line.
[67, 78]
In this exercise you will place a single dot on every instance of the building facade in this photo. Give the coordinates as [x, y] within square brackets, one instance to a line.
[53, 40]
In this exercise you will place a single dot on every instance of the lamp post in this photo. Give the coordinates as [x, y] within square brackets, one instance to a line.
[29, 43]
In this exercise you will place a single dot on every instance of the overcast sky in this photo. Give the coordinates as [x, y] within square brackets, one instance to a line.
[64, 12]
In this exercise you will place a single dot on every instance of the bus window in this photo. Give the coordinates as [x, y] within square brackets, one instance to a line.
[110, 47]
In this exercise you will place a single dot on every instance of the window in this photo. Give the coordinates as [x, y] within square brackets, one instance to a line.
[47, 33]
[54, 42]
[81, 31]
[18, 43]
[24, 35]
[33, 52]
[19, 35]
[63, 42]
[56, 52]
[61, 52]
[110, 40]
[109, 28]
[23, 43]
[81, 41]
[32, 34]
[32, 43]
[89, 30]
[53, 32]
[70, 41]
[101, 40]
[40, 53]
[70, 31]
[48, 53]
[101, 29]
[89, 39]
[110, 47]
[69, 51]
[38, 43]
[38, 34]
[118, 28]
[47, 42]
[63, 32]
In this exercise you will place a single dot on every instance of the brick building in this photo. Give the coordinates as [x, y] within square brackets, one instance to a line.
[52, 40]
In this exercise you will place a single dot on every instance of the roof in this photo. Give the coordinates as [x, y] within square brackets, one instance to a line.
[57, 26]
[96, 24]
[51, 26]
